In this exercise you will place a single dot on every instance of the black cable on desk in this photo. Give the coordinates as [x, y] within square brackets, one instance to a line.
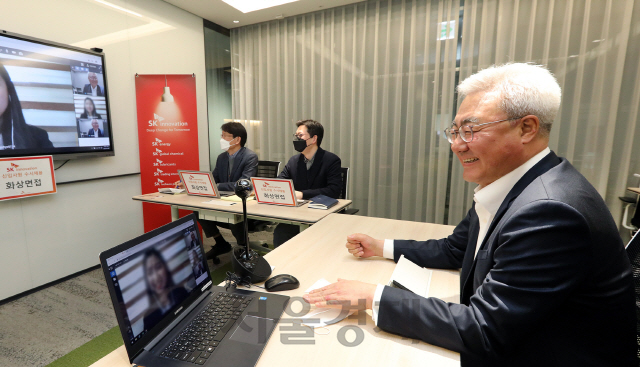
[234, 280]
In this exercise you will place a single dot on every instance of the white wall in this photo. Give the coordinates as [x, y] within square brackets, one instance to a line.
[49, 237]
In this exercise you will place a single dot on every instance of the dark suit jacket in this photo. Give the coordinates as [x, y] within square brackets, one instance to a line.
[176, 296]
[87, 90]
[551, 284]
[323, 178]
[245, 165]
[84, 115]
[27, 137]
[100, 135]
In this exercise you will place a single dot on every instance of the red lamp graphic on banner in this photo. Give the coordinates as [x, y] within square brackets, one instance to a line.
[166, 96]
[167, 136]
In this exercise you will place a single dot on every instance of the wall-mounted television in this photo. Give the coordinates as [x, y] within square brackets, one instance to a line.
[54, 99]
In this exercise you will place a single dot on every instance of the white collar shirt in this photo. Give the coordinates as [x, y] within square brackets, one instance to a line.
[489, 198]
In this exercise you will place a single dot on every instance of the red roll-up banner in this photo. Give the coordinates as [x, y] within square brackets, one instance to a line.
[167, 137]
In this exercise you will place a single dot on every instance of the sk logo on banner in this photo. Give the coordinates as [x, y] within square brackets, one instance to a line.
[156, 118]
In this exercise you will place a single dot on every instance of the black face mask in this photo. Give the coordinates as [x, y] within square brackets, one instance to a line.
[299, 145]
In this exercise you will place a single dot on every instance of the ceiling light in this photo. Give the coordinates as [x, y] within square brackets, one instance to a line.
[166, 96]
[119, 8]
[247, 6]
[236, 21]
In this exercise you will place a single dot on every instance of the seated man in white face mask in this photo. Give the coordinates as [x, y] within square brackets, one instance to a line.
[235, 163]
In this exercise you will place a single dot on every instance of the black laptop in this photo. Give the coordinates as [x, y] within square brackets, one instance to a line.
[170, 313]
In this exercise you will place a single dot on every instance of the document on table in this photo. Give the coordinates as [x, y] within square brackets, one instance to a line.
[236, 198]
[409, 276]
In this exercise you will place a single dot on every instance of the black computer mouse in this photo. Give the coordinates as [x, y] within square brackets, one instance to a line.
[281, 282]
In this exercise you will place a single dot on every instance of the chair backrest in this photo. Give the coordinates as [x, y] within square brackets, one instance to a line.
[633, 250]
[344, 171]
[268, 169]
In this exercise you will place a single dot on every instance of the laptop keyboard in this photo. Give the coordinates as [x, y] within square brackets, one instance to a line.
[201, 337]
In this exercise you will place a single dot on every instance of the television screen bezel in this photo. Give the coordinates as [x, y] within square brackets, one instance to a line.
[80, 152]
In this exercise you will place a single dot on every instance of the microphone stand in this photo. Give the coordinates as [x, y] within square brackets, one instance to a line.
[246, 262]
[247, 254]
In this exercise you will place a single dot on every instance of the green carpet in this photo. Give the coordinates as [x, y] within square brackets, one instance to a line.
[93, 350]
[220, 274]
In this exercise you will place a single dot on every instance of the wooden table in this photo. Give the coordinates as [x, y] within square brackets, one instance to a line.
[635, 190]
[319, 252]
[217, 210]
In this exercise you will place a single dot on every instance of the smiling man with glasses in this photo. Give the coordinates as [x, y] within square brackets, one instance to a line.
[544, 278]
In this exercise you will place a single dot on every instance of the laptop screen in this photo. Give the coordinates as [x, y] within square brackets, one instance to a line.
[151, 279]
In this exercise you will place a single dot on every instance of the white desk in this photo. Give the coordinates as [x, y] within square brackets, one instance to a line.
[635, 190]
[319, 252]
[217, 210]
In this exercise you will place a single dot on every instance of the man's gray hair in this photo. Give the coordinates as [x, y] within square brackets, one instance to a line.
[521, 89]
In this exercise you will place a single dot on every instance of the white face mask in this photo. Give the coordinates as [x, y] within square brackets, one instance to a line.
[225, 145]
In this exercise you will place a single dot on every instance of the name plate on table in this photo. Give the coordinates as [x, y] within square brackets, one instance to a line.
[199, 183]
[274, 191]
[27, 176]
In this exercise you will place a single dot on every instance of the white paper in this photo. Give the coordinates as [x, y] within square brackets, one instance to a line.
[168, 190]
[323, 316]
[317, 285]
[412, 277]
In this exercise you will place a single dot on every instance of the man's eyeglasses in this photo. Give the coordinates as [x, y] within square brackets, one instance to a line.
[466, 131]
[299, 136]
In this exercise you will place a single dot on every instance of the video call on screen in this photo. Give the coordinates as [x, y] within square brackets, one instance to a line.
[60, 91]
[154, 278]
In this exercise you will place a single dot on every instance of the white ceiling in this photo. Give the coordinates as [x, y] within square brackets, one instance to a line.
[224, 14]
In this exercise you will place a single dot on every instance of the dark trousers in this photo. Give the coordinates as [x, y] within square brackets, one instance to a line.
[283, 233]
[210, 229]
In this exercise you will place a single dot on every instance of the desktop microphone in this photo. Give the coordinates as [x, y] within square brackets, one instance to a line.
[247, 262]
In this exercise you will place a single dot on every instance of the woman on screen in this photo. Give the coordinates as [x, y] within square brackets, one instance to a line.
[90, 110]
[14, 131]
[163, 294]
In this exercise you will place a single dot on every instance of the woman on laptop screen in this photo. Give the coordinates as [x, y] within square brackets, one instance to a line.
[14, 131]
[160, 287]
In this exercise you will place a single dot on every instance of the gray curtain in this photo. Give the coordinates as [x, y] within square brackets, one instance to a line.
[380, 76]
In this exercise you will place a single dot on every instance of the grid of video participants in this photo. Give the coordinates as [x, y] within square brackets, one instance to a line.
[54, 94]
[154, 277]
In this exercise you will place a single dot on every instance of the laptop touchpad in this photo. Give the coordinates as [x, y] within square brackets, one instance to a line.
[253, 330]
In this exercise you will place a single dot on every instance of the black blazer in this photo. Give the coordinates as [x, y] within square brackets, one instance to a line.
[245, 165]
[176, 296]
[551, 284]
[100, 134]
[323, 178]
[28, 137]
[87, 90]
[84, 115]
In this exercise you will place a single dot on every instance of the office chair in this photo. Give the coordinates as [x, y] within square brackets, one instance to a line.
[633, 251]
[631, 204]
[266, 169]
[344, 171]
